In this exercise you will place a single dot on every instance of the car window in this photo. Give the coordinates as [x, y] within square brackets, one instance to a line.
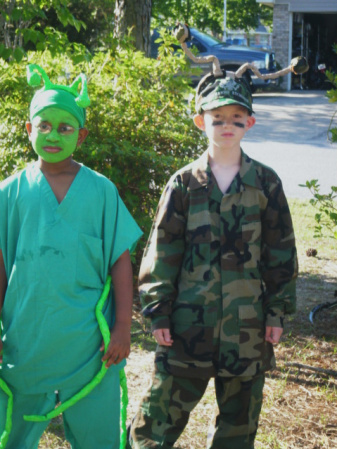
[194, 43]
[203, 37]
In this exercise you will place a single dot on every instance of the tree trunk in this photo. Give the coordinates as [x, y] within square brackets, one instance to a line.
[135, 15]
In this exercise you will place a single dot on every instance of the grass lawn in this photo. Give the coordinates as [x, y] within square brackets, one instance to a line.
[300, 396]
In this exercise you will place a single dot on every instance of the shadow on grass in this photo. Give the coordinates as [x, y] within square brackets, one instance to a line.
[298, 326]
[314, 289]
[303, 375]
[316, 281]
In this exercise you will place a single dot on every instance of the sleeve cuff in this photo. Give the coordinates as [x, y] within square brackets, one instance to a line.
[275, 319]
[161, 322]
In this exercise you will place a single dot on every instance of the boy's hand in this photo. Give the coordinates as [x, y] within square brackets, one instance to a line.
[119, 346]
[163, 337]
[273, 334]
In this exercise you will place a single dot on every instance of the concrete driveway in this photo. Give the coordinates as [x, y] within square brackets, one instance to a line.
[290, 135]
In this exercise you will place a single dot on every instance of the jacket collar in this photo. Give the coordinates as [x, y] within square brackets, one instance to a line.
[201, 172]
[247, 176]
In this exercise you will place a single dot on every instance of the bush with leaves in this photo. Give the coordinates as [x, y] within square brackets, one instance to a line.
[24, 25]
[326, 217]
[140, 128]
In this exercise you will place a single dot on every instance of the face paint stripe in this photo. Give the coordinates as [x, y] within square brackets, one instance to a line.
[220, 123]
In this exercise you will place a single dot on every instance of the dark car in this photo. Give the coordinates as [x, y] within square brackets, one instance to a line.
[231, 57]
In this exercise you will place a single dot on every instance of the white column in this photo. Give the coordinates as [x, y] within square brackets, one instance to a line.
[290, 48]
[224, 19]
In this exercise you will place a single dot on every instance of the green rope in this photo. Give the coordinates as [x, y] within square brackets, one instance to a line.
[124, 405]
[9, 413]
[105, 331]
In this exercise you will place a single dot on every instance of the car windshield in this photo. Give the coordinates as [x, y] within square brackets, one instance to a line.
[205, 38]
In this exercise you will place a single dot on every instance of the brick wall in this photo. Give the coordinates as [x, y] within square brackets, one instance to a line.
[281, 37]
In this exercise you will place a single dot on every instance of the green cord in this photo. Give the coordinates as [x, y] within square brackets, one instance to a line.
[105, 331]
[124, 405]
[8, 424]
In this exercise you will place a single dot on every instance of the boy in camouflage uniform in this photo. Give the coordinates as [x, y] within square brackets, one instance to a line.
[217, 278]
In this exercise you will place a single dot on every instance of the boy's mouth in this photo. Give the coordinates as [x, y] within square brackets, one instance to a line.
[50, 149]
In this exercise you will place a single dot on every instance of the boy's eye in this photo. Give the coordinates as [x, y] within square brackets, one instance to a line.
[44, 127]
[66, 129]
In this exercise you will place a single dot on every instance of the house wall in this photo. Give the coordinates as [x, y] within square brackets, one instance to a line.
[321, 6]
[282, 36]
[283, 25]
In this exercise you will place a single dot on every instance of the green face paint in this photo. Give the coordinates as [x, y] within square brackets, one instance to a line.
[54, 147]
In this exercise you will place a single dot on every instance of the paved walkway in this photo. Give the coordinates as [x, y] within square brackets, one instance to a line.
[290, 135]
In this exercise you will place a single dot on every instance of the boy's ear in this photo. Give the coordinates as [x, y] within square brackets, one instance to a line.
[199, 121]
[250, 122]
[29, 128]
[82, 135]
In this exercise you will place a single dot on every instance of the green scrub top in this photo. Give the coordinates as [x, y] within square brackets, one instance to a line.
[57, 258]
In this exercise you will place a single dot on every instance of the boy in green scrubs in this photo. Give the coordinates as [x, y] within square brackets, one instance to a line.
[63, 230]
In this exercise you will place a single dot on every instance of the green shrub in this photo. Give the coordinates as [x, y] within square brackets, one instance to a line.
[140, 129]
[326, 204]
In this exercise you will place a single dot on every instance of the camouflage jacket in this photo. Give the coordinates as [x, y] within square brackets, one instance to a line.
[218, 268]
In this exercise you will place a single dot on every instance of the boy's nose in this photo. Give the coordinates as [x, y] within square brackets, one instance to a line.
[53, 135]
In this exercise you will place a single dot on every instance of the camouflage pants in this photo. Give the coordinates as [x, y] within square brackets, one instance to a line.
[167, 404]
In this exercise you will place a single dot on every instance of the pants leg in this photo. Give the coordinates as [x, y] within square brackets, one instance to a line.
[94, 421]
[239, 401]
[165, 411]
[25, 434]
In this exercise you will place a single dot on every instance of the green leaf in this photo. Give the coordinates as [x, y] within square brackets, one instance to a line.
[18, 54]
[16, 14]
[6, 53]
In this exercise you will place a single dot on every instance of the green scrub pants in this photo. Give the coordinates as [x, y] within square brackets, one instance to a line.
[92, 423]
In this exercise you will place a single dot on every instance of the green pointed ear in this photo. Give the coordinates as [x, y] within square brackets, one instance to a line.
[82, 99]
[36, 73]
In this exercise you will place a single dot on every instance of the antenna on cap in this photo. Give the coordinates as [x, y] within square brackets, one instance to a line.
[182, 34]
[298, 65]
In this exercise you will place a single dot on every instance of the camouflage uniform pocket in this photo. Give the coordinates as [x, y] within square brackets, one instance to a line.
[193, 333]
[251, 323]
[192, 314]
[192, 348]
[196, 264]
[251, 239]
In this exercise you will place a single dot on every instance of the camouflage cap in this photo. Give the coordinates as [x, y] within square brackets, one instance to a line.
[224, 92]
